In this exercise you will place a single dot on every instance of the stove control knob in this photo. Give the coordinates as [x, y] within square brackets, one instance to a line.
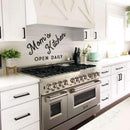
[65, 82]
[48, 86]
[60, 84]
[81, 78]
[72, 80]
[77, 79]
[84, 77]
[90, 76]
[54, 85]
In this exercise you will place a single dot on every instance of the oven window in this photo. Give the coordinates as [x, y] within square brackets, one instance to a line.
[84, 96]
[55, 108]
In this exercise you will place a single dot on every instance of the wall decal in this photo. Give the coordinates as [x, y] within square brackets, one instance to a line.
[49, 43]
[45, 58]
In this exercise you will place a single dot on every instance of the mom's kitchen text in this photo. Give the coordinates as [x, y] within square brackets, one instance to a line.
[49, 44]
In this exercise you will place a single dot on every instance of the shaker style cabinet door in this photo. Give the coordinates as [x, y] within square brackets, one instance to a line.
[13, 19]
[99, 33]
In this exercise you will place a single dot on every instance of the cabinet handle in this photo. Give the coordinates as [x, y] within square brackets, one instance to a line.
[24, 33]
[105, 72]
[86, 35]
[119, 68]
[120, 77]
[21, 95]
[105, 98]
[21, 117]
[0, 32]
[105, 84]
[95, 35]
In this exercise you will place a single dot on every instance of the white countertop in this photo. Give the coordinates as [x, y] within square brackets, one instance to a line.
[16, 81]
[111, 61]
[117, 118]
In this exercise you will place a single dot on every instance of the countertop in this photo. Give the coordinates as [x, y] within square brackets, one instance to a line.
[111, 61]
[117, 118]
[16, 81]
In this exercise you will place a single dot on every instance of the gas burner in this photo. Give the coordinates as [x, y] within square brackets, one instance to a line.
[45, 71]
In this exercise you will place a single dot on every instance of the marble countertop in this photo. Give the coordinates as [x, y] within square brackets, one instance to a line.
[111, 61]
[16, 81]
[117, 118]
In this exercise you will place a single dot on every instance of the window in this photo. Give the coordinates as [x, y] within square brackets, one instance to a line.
[115, 33]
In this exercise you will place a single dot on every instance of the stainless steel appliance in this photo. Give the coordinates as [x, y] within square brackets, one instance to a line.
[69, 94]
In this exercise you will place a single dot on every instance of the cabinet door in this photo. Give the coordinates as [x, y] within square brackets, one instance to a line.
[114, 83]
[13, 19]
[99, 33]
[1, 27]
[121, 83]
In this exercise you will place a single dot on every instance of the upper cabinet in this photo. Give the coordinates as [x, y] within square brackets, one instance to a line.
[13, 17]
[99, 15]
[1, 29]
[70, 13]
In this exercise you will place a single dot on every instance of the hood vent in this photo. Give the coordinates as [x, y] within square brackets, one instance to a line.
[72, 13]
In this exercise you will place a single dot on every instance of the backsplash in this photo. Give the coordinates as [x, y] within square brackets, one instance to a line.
[45, 45]
[50, 44]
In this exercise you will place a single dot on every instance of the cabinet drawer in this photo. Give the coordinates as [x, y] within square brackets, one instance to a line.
[118, 68]
[18, 117]
[105, 97]
[35, 126]
[105, 71]
[18, 96]
[105, 84]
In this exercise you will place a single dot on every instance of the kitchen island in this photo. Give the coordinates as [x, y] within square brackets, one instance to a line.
[117, 118]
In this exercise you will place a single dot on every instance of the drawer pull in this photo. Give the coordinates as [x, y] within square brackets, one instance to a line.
[21, 117]
[119, 68]
[0, 32]
[105, 72]
[24, 33]
[105, 98]
[105, 84]
[21, 95]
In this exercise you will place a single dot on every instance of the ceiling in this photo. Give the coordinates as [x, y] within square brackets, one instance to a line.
[121, 2]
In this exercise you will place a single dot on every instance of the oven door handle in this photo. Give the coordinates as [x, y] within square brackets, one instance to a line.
[80, 89]
[50, 98]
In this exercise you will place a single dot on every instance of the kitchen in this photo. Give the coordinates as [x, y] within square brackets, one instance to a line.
[63, 62]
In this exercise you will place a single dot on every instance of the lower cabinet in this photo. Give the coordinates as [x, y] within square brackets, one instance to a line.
[118, 85]
[115, 83]
[34, 126]
[105, 94]
[19, 109]
[20, 116]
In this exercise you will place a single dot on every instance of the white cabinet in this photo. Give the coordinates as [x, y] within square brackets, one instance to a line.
[118, 85]
[20, 108]
[1, 26]
[127, 78]
[105, 95]
[71, 13]
[105, 89]
[13, 12]
[18, 96]
[20, 116]
[99, 32]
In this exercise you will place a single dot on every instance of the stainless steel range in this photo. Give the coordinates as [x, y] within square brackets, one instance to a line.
[69, 94]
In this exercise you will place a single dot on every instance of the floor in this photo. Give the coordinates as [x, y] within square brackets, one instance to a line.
[101, 112]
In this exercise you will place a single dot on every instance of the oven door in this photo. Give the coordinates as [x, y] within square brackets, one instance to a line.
[83, 97]
[54, 109]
